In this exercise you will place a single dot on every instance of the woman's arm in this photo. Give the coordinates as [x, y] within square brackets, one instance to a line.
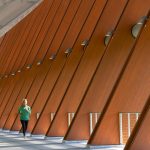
[28, 109]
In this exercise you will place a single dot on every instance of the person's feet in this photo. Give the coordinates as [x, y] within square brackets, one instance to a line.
[24, 136]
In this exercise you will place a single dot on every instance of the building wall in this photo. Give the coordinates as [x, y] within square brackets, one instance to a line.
[97, 78]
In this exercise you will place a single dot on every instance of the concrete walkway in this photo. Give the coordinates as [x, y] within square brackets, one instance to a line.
[17, 142]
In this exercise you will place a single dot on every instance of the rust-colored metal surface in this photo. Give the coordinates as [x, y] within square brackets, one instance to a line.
[12, 43]
[132, 89]
[90, 60]
[47, 64]
[71, 65]
[1, 40]
[47, 16]
[54, 47]
[11, 39]
[19, 42]
[11, 84]
[4, 89]
[102, 82]
[98, 78]
[2, 84]
[2, 50]
[139, 138]
[19, 53]
[7, 46]
[29, 78]
[40, 72]
[33, 33]
[58, 18]
[10, 98]
[58, 65]
[20, 34]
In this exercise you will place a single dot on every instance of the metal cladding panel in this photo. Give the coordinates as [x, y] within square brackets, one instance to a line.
[59, 63]
[7, 46]
[47, 24]
[10, 89]
[93, 99]
[15, 44]
[22, 47]
[69, 70]
[1, 39]
[128, 93]
[2, 84]
[41, 73]
[25, 88]
[2, 49]
[58, 18]
[4, 89]
[46, 66]
[98, 78]
[84, 73]
[10, 98]
[28, 21]
[34, 31]
[139, 138]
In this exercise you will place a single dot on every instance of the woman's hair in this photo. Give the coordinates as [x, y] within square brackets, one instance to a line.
[24, 100]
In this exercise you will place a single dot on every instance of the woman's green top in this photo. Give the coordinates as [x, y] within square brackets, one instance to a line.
[24, 112]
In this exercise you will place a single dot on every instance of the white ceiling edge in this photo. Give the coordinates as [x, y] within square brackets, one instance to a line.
[12, 23]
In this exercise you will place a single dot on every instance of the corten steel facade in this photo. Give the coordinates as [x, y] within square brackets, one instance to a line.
[42, 59]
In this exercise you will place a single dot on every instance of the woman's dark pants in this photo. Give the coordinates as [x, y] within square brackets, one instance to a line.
[24, 126]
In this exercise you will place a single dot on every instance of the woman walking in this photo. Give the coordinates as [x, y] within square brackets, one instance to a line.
[24, 111]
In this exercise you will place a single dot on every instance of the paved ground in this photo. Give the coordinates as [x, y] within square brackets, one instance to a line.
[17, 142]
